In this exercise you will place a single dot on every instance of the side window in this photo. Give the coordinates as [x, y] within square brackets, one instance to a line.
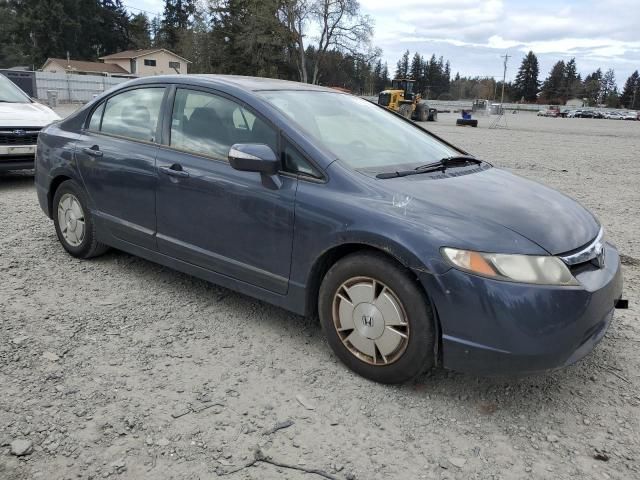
[133, 114]
[209, 124]
[96, 118]
[294, 162]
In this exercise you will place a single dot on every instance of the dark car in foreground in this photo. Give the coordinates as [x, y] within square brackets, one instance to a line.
[412, 252]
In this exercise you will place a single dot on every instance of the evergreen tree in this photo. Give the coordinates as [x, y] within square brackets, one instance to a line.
[526, 84]
[415, 72]
[139, 31]
[177, 18]
[12, 50]
[554, 87]
[609, 90]
[592, 86]
[630, 97]
[251, 41]
[573, 82]
[402, 67]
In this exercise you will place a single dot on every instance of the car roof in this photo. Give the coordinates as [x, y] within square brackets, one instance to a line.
[237, 81]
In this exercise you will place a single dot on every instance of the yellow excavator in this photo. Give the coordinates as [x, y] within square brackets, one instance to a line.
[401, 99]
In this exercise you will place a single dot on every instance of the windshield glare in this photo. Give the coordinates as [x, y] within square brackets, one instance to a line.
[9, 92]
[357, 131]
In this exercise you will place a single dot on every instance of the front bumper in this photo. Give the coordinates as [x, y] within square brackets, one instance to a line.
[492, 327]
[17, 157]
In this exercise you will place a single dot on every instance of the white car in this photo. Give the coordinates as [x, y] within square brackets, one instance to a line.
[630, 115]
[21, 119]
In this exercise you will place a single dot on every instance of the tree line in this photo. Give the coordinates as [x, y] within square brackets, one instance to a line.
[326, 42]
[564, 83]
[314, 41]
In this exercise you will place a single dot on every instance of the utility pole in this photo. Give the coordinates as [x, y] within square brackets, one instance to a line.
[504, 77]
[496, 122]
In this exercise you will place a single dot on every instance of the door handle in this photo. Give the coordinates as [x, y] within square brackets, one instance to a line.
[93, 151]
[174, 170]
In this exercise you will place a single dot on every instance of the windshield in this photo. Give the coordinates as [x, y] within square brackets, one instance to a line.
[357, 131]
[9, 92]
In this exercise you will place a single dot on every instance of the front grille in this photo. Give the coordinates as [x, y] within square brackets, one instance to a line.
[19, 136]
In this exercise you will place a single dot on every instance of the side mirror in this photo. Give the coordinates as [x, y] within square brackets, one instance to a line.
[254, 157]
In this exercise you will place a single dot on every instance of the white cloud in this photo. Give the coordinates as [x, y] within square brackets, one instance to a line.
[473, 34]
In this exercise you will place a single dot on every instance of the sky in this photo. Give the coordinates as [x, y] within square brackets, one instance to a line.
[474, 34]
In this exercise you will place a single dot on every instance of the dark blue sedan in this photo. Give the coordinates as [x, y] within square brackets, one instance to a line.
[412, 252]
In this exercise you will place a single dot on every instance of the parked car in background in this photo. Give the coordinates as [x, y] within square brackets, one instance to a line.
[574, 113]
[21, 119]
[630, 115]
[412, 252]
[552, 111]
[612, 116]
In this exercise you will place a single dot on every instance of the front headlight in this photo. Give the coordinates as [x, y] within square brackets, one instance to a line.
[542, 270]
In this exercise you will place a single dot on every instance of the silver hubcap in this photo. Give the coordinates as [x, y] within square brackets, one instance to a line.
[71, 219]
[370, 320]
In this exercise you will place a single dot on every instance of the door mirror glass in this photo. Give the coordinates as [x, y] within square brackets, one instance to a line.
[254, 157]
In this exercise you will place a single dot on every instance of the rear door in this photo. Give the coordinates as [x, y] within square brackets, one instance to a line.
[116, 156]
[238, 224]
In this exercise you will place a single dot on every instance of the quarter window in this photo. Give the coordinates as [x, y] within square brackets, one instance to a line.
[133, 114]
[96, 118]
[209, 124]
[294, 162]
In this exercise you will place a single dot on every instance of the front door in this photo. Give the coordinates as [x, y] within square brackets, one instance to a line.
[116, 156]
[234, 223]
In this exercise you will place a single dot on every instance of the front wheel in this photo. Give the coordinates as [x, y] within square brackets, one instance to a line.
[405, 110]
[376, 318]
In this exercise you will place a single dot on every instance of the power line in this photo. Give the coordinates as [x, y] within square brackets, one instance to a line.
[156, 14]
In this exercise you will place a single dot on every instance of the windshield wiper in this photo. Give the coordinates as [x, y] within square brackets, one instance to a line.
[442, 164]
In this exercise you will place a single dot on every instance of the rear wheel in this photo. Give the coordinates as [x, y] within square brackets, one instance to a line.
[73, 222]
[405, 110]
[376, 319]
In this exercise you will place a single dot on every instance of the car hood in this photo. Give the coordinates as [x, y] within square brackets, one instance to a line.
[26, 115]
[495, 197]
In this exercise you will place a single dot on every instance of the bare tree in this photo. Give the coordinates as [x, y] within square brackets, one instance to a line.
[338, 22]
[342, 27]
[295, 14]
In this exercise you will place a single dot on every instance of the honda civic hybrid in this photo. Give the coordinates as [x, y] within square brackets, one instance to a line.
[412, 252]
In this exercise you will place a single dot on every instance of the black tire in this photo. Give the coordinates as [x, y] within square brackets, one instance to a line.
[405, 110]
[89, 245]
[433, 115]
[418, 354]
[422, 113]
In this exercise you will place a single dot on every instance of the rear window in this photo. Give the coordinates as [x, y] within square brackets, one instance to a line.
[133, 114]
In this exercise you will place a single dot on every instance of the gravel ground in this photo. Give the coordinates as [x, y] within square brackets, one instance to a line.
[117, 367]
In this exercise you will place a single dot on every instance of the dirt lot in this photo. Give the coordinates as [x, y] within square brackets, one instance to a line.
[118, 367]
